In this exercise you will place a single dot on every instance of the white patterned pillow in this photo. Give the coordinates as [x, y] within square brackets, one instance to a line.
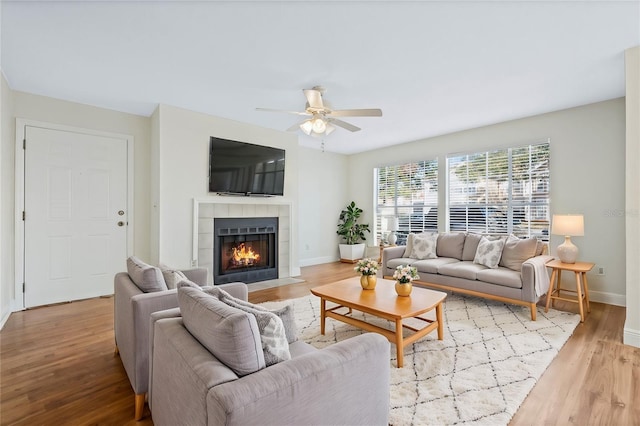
[424, 246]
[489, 252]
[171, 275]
[273, 336]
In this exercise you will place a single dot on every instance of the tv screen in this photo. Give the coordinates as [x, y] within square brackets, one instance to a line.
[245, 169]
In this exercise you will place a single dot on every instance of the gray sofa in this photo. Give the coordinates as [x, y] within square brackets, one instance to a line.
[345, 383]
[132, 311]
[520, 282]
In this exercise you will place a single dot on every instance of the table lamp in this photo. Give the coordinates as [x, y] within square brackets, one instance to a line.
[568, 225]
[392, 227]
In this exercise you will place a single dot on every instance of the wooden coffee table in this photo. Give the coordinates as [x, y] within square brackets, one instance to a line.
[383, 302]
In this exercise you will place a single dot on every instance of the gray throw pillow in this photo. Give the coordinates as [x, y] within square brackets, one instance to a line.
[230, 334]
[185, 282]
[489, 252]
[409, 247]
[285, 313]
[272, 335]
[471, 242]
[450, 244]
[424, 246]
[147, 278]
[171, 275]
[516, 251]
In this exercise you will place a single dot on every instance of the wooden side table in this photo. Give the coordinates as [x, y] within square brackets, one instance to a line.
[582, 288]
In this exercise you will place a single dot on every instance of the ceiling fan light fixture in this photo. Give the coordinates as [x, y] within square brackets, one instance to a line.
[306, 127]
[319, 125]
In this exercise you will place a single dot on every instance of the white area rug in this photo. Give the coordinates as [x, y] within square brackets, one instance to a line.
[490, 359]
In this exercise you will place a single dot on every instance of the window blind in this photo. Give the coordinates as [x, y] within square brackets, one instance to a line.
[501, 192]
[408, 192]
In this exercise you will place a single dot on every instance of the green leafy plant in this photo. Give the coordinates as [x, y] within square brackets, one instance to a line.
[348, 228]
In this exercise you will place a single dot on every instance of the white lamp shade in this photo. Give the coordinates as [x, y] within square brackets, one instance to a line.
[392, 223]
[568, 225]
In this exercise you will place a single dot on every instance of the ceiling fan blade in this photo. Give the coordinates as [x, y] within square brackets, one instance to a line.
[282, 110]
[343, 124]
[370, 112]
[314, 98]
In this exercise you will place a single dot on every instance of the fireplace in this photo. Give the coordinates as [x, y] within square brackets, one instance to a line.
[245, 249]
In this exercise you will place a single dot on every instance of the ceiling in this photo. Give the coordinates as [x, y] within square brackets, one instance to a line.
[433, 67]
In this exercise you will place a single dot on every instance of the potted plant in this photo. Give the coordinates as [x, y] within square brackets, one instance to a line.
[368, 268]
[404, 275]
[352, 233]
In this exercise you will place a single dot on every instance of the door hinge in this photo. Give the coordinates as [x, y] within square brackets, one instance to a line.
[23, 215]
[24, 143]
[24, 287]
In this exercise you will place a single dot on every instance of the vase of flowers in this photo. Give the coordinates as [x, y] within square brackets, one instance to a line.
[368, 268]
[404, 275]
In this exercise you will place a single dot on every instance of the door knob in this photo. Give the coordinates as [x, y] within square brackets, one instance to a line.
[120, 223]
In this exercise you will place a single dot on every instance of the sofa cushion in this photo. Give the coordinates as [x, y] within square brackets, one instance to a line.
[147, 278]
[230, 334]
[471, 242]
[424, 246]
[450, 244]
[171, 275]
[394, 263]
[489, 252]
[516, 251]
[501, 276]
[430, 266]
[464, 269]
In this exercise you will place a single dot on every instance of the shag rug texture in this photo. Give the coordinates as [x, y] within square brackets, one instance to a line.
[490, 359]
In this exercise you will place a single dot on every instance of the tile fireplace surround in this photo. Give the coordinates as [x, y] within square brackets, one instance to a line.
[206, 211]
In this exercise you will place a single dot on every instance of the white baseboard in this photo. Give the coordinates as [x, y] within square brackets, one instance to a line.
[318, 260]
[608, 298]
[631, 337]
[4, 319]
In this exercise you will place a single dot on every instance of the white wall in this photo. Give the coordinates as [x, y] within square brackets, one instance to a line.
[7, 137]
[183, 158]
[632, 211]
[323, 180]
[587, 176]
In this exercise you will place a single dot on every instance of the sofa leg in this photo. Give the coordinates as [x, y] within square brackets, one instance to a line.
[139, 404]
[534, 311]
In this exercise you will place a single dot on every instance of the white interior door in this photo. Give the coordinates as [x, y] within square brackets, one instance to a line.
[75, 214]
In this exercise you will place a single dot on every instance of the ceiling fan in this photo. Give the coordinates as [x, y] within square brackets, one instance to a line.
[322, 119]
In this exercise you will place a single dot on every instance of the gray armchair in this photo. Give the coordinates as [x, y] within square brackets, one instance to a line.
[345, 383]
[132, 311]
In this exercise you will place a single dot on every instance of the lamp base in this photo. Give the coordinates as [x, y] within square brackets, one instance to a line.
[392, 238]
[567, 251]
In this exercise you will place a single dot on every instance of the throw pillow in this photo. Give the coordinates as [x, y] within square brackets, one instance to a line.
[230, 334]
[409, 247]
[171, 275]
[516, 251]
[147, 278]
[272, 335]
[285, 313]
[185, 282]
[424, 246]
[489, 252]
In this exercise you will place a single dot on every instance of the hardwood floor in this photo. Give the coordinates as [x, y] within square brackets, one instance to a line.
[58, 366]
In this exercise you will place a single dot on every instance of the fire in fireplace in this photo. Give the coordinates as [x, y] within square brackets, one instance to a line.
[245, 249]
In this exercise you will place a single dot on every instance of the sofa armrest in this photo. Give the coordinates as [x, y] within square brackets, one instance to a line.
[352, 374]
[196, 275]
[388, 254]
[535, 278]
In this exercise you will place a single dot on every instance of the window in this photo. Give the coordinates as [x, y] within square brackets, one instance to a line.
[408, 192]
[500, 192]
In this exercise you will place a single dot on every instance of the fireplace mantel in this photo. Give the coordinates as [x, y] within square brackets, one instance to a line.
[206, 210]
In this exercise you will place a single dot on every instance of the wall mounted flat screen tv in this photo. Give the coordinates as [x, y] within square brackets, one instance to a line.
[240, 168]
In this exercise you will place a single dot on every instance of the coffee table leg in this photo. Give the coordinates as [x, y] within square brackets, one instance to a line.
[439, 319]
[399, 343]
[322, 315]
